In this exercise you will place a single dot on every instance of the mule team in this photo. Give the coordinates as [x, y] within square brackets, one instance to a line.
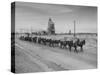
[56, 43]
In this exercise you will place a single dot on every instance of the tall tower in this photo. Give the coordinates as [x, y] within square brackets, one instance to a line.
[51, 28]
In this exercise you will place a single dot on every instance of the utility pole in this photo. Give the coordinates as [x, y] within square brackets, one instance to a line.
[74, 28]
[31, 31]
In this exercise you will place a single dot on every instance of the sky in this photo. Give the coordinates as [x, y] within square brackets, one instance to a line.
[35, 16]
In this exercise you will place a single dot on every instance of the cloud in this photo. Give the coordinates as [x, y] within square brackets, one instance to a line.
[37, 15]
[44, 9]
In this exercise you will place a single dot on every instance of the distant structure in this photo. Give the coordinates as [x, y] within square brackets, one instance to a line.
[51, 28]
[69, 32]
[74, 28]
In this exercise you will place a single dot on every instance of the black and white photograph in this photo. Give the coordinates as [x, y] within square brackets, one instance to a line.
[53, 37]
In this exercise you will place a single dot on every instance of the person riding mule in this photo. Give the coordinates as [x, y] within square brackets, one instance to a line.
[22, 38]
[71, 44]
[68, 43]
[80, 43]
[63, 44]
[76, 43]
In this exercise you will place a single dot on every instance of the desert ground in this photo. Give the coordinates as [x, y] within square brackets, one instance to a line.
[31, 57]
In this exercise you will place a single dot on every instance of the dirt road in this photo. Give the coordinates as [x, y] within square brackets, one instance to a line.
[30, 57]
